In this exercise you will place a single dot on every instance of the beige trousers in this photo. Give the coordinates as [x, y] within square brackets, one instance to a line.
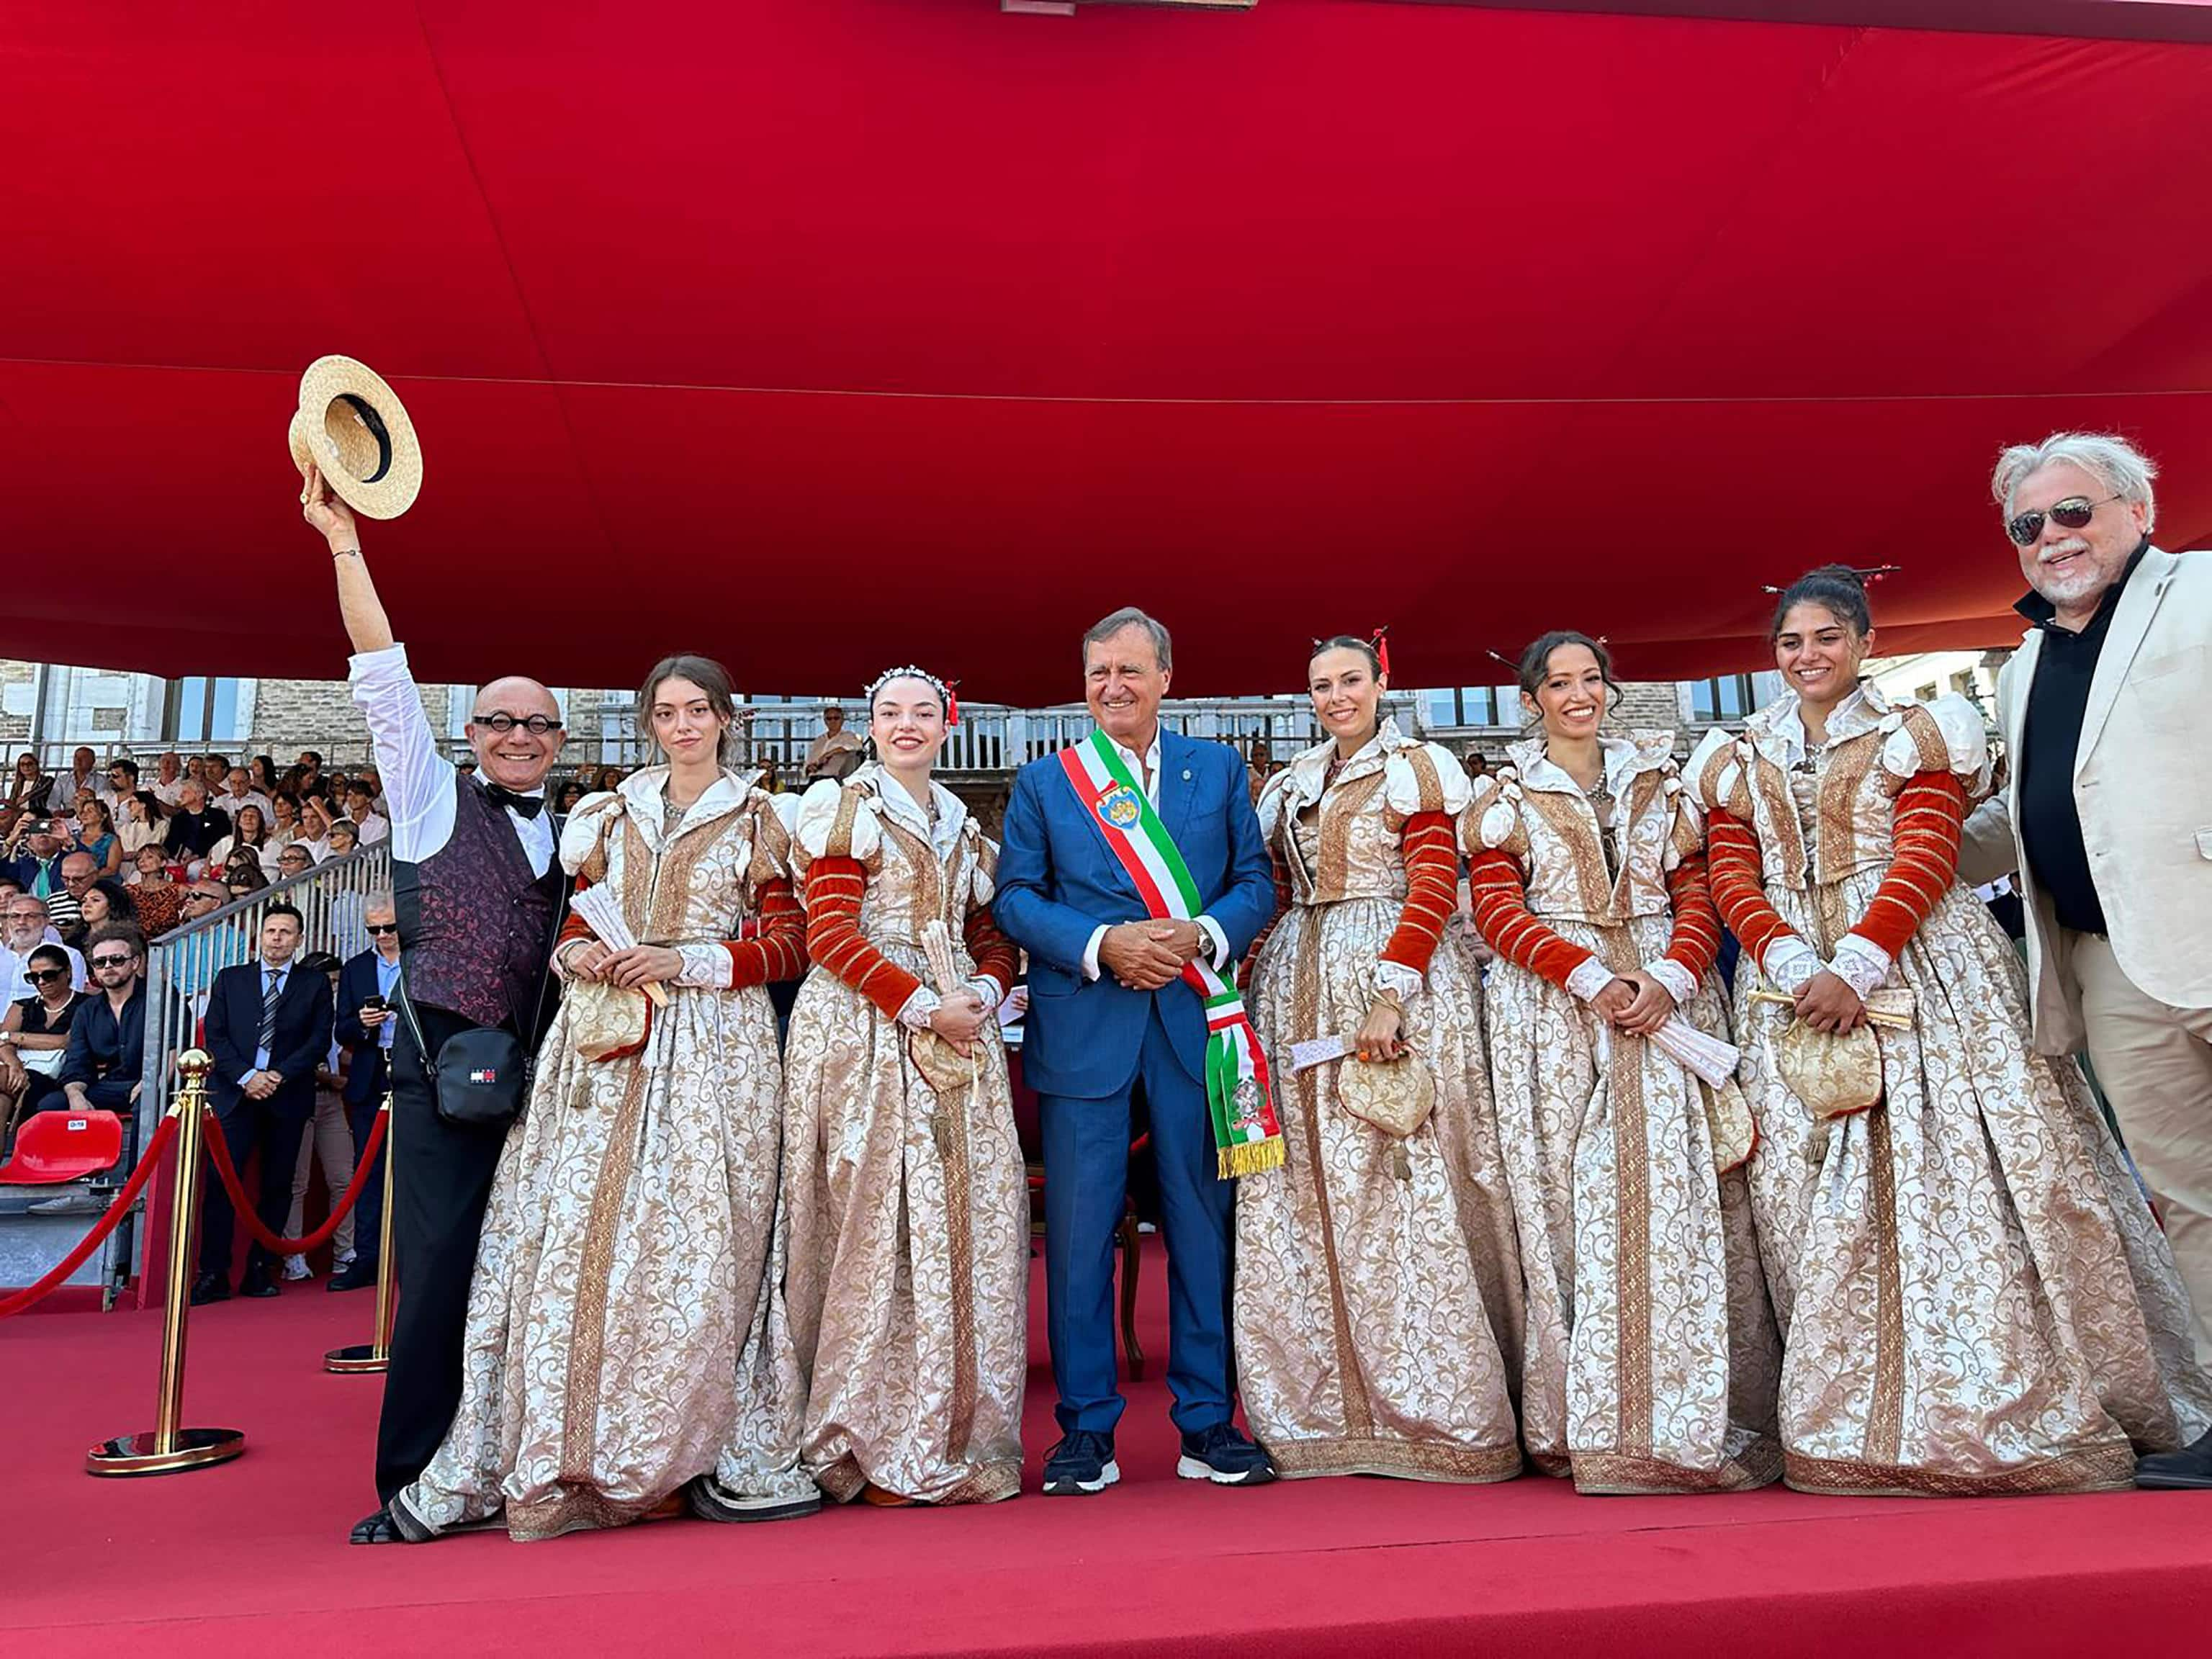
[329, 1138]
[2155, 1065]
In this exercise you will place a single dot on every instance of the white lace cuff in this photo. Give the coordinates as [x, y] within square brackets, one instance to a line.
[987, 990]
[707, 967]
[1860, 963]
[1400, 980]
[1681, 984]
[1790, 965]
[914, 1014]
[1587, 981]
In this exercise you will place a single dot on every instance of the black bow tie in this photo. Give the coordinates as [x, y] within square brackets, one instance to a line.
[529, 805]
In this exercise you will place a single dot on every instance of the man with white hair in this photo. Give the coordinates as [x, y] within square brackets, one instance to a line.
[2107, 821]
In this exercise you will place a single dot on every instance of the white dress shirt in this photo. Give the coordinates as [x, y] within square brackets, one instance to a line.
[261, 973]
[418, 780]
[1147, 770]
[374, 827]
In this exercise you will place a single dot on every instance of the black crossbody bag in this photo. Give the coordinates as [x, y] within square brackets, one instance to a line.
[482, 1075]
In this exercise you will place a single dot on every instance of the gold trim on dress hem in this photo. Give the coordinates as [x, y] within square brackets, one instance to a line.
[1604, 1473]
[2102, 1469]
[1405, 1460]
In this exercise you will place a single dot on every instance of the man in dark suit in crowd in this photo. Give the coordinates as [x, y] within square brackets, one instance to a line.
[268, 1028]
[368, 992]
[107, 1054]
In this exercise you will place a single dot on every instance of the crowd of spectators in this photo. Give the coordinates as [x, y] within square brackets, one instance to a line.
[140, 841]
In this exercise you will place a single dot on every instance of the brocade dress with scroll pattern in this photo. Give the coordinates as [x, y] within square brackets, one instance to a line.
[1974, 1298]
[626, 1324]
[909, 1214]
[1651, 1350]
[1377, 1300]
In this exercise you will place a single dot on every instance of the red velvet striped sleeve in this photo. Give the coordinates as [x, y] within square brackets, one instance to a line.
[1733, 857]
[1924, 863]
[995, 955]
[1696, 940]
[835, 887]
[1432, 852]
[772, 946]
[1501, 915]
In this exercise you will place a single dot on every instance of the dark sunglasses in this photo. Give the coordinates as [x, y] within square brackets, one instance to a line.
[46, 975]
[536, 725]
[2072, 513]
[110, 962]
[383, 926]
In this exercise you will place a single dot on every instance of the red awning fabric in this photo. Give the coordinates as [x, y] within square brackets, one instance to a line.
[824, 337]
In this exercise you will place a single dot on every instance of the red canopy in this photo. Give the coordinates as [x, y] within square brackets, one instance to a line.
[830, 335]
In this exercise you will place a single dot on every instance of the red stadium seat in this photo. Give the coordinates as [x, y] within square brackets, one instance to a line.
[56, 1146]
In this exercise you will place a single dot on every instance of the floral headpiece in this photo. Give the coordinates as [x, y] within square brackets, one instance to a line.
[946, 690]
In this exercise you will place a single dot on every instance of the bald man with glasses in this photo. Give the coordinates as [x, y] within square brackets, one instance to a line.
[477, 894]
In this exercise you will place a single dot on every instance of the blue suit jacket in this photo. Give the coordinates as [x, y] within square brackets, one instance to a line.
[1058, 882]
[356, 985]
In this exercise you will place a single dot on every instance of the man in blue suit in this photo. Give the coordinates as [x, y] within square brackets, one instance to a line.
[268, 1028]
[367, 997]
[1111, 1011]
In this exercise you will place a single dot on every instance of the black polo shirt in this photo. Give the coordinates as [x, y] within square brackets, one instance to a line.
[2050, 738]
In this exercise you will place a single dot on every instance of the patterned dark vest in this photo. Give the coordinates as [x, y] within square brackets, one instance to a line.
[476, 924]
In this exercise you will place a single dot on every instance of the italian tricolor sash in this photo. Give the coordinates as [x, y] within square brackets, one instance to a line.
[1247, 1135]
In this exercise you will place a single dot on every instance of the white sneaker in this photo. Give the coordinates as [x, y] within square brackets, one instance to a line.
[295, 1268]
[339, 1264]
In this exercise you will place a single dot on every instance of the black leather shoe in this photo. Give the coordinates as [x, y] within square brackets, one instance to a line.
[257, 1282]
[360, 1276]
[711, 1501]
[210, 1287]
[390, 1525]
[1081, 1464]
[1224, 1456]
[2189, 1470]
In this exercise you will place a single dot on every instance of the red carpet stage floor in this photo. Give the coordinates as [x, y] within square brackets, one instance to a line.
[250, 1558]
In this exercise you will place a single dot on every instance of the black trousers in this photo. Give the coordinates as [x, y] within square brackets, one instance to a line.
[272, 1127]
[439, 1186]
[360, 1118]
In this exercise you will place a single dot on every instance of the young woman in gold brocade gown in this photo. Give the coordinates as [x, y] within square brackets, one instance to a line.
[1974, 1297]
[1651, 1350]
[909, 1214]
[1377, 1302]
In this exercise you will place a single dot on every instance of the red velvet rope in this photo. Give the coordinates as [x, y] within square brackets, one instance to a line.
[76, 1258]
[243, 1206]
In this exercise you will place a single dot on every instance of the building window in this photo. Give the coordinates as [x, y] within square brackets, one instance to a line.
[1468, 705]
[203, 710]
[1729, 697]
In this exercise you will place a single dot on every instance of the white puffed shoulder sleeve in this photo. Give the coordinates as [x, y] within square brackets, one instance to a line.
[1424, 778]
[835, 821]
[1491, 821]
[1685, 821]
[1716, 773]
[1947, 735]
[581, 836]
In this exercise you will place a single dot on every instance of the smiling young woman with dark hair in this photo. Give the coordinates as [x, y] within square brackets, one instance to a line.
[1977, 1298]
[1409, 1224]
[1651, 1351]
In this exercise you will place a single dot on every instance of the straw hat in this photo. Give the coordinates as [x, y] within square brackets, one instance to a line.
[353, 427]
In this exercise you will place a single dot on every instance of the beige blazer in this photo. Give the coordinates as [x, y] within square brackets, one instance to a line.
[2142, 781]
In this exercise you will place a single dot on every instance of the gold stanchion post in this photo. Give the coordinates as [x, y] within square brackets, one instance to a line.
[361, 1358]
[170, 1448]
